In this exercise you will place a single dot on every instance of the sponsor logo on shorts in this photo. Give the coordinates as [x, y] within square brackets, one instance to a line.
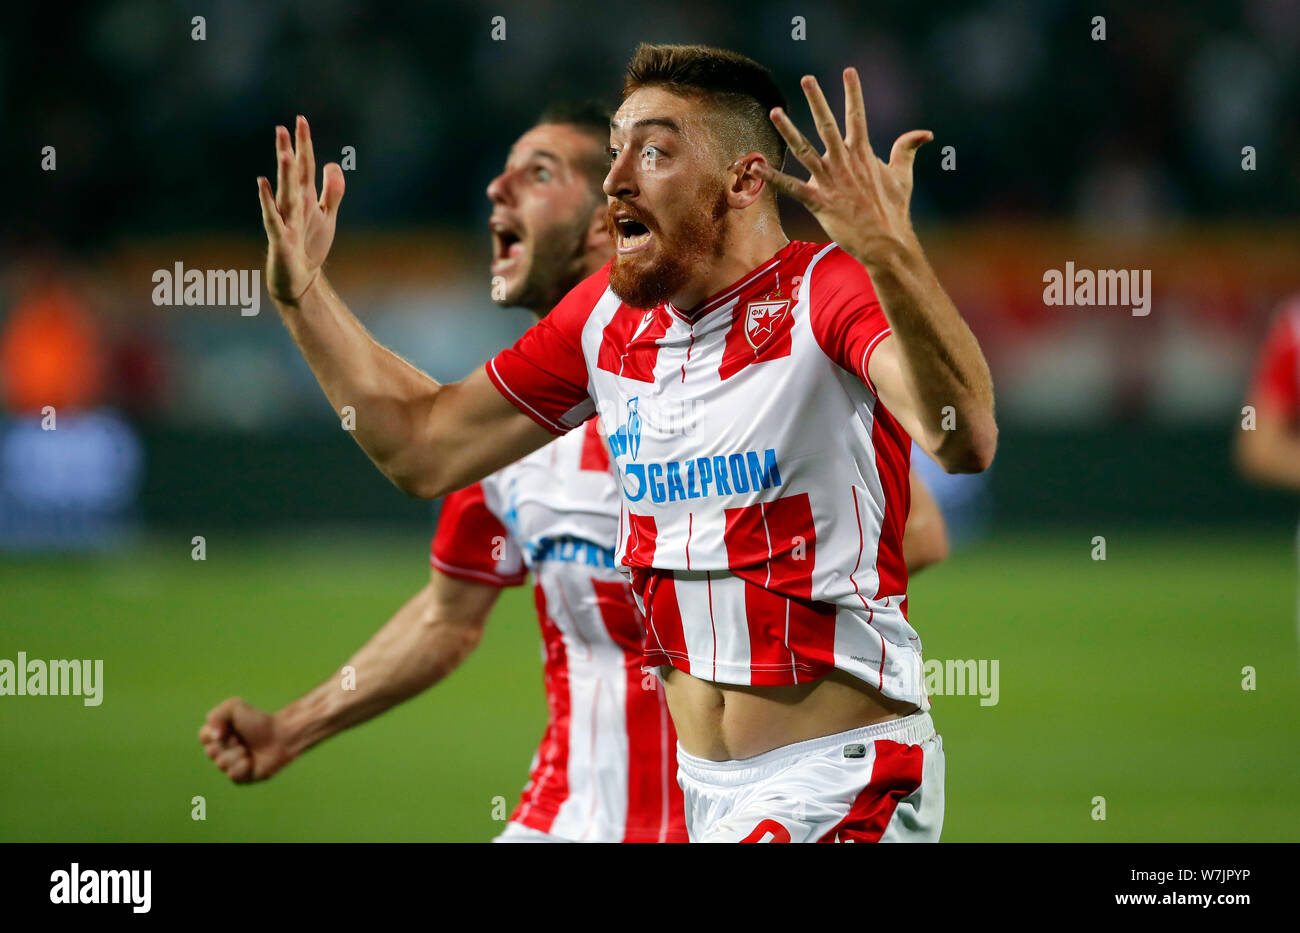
[857, 750]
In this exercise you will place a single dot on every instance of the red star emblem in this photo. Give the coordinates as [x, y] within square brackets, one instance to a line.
[764, 321]
[761, 320]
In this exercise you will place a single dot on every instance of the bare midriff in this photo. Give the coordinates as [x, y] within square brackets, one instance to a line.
[724, 722]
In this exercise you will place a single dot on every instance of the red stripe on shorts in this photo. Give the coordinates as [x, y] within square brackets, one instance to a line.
[896, 774]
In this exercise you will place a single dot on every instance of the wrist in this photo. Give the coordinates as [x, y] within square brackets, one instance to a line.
[299, 728]
[296, 301]
[890, 256]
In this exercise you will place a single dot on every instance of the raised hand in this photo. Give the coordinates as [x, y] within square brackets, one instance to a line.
[861, 202]
[299, 227]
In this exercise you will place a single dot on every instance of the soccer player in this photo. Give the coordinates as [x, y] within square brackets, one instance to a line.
[759, 397]
[1270, 454]
[606, 768]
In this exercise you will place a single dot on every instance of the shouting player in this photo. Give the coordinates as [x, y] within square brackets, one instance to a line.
[606, 768]
[759, 396]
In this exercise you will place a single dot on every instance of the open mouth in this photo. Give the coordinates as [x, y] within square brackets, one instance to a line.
[632, 234]
[507, 244]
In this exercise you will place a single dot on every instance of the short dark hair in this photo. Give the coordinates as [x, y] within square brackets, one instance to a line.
[591, 118]
[740, 86]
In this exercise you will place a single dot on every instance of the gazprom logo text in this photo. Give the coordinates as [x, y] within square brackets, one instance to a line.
[701, 477]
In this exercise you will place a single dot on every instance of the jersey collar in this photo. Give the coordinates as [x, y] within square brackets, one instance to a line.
[720, 298]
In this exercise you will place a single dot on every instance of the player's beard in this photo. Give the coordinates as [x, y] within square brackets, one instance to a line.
[556, 265]
[700, 241]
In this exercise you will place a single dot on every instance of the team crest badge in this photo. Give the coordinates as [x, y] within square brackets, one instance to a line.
[762, 319]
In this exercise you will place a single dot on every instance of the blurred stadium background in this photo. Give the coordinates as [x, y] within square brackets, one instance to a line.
[1120, 679]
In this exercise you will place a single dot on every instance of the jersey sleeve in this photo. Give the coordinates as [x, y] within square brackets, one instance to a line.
[544, 374]
[473, 543]
[846, 316]
[1277, 374]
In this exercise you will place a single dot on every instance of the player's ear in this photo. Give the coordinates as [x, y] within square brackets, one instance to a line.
[745, 186]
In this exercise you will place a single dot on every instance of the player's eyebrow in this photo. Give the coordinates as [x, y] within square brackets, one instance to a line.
[516, 159]
[665, 122]
[536, 154]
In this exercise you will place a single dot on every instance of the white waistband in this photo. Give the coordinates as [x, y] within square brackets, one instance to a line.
[912, 729]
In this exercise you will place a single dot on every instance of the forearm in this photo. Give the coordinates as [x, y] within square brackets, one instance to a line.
[414, 650]
[940, 357]
[392, 399]
[1274, 460]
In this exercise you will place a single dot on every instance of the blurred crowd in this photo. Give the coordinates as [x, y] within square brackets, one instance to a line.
[158, 132]
[136, 129]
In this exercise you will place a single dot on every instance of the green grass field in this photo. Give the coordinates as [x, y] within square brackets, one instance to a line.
[1120, 678]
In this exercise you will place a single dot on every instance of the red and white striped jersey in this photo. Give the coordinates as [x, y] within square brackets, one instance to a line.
[606, 770]
[750, 444]
[1277, 374]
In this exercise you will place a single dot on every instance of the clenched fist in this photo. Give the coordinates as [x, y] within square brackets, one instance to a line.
[246, 743]
[299, 227]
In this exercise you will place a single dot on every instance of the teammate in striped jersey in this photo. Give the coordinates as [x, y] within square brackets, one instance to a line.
[1270, 452]
[606, 770]
[759, 397]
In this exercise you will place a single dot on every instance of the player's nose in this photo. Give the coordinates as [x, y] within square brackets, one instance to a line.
[499, 189]
[621, 180]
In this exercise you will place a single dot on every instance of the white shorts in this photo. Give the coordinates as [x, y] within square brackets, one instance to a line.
[518, 832]
[880, 783]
